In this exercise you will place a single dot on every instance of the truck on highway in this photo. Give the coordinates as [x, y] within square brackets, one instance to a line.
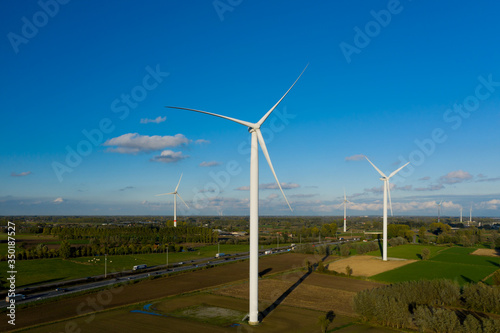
[218, 255]
[136, 267]
[16, 297]
[268, 252]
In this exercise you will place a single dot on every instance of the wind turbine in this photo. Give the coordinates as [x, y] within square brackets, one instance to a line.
[345, 202]
[387, 190]
[461, 209]
[439, 210]
[470, 217]
[257, 139]
[176, 194]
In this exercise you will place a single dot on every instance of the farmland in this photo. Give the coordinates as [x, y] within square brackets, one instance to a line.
[221, 309]
[154, 289]
[454, 263]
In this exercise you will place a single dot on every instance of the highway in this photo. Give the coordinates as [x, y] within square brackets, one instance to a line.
[134, 275]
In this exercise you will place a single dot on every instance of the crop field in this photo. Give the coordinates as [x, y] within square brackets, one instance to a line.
[367, 266]
[453, 263]
[51, 270]
[178, 315]
[209, 312]
[153, 289]
[311, 291]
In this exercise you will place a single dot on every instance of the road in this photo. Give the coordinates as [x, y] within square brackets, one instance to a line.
[175, 267]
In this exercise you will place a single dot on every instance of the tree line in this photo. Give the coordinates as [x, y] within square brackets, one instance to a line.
[432, 306]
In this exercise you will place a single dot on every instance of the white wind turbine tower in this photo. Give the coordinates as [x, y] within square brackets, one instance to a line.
[461, 209]
[176, 194]
[254, 129]
[345, 202]
[470, 217]
[387, 190]
[439, 210]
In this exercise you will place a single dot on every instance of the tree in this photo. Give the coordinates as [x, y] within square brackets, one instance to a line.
[422, 235]
[65, 249]
[348, 270]
[496, 278]
[325, 321]
[344, 250]
[321, 267]
[426, 253]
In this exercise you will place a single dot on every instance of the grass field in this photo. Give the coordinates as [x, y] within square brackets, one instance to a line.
[409, 251]
[38, 271]
[454, 263]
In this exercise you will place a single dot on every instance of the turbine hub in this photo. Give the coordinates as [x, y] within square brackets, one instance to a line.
[251, 130]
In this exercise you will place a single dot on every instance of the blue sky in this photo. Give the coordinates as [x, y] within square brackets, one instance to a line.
[84, 87]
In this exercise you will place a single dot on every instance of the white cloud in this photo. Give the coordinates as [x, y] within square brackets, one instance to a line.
[493, 204]
[157, 120]
[454, 177]
[355, 157]
[430, 188]
[133, 143]
[201, 141]
[487, 179]
[209, 164]
[58, 200]
[243, 188]
[169, 156]
[272, 186]
[425, 178]
[22, 174]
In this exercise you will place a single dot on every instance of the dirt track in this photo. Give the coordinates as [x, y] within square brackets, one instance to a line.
[153, 289]
[366, 265]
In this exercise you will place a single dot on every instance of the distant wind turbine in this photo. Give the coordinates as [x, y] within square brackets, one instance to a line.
[345, 202]
[439, 210]
[176, 194]
[387, 191]
[461, 209]
[257, 139]
[470, 217]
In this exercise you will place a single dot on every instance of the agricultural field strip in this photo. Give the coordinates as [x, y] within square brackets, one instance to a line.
[148, 290]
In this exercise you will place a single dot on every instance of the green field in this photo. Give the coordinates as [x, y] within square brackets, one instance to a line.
[31, 272]
[4, 236]
[453, 263]
[409, 251]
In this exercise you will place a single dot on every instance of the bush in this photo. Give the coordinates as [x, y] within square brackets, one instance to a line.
[344, 250]
[496, 278]
[348, 270]
[426, 253]
[397, 241]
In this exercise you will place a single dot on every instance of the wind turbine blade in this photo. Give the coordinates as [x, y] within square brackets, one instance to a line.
[266, 154]
[178, 184]
[381, 173]
[164, 194]
[244, 123]
[341, 205]
[345, 198]
[182, 199]
[263, 119]
[395, 172]
[389, 193]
